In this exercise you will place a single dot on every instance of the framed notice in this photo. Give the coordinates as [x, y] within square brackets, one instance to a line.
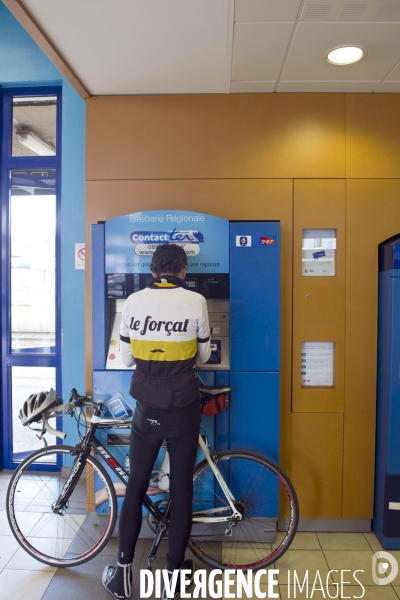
[319, 253]
[317, 364]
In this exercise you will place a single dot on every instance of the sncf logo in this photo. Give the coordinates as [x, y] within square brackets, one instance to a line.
[267, 241]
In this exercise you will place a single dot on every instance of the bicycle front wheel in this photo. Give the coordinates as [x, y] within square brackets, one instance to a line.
[73, 535]
[263, 496]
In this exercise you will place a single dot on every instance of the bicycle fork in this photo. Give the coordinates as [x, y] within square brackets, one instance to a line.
[69, 486]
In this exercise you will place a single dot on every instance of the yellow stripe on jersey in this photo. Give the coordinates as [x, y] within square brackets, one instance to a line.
[165, 285]
[163, 351]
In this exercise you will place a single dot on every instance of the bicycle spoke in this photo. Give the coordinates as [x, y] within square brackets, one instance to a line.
[260, 491]
[67, 536]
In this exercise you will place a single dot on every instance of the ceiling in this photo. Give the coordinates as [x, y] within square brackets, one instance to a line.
[108, 47]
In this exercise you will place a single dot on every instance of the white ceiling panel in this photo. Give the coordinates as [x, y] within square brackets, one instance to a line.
[259, 50]
[389, 87]
[252, 87]
[395, 74]
[216, 46]
[312, 41]
[345, 87]
[351, 11]
[266, 10]
[137, 47]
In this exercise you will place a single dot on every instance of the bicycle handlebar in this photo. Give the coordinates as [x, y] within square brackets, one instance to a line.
[76, 401]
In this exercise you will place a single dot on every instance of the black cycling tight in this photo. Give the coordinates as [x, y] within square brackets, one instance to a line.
[149, 428]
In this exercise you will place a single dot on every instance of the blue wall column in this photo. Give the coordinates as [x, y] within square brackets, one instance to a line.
[23, 64]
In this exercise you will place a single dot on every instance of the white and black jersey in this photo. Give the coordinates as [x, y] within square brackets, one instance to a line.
[163, 328]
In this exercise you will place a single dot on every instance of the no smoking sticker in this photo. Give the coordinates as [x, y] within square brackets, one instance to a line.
[79, 256]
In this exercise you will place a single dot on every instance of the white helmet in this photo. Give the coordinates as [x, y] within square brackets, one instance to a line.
[36, 404]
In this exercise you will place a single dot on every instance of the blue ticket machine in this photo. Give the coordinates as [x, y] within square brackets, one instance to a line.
[236, 267]
[386, 523]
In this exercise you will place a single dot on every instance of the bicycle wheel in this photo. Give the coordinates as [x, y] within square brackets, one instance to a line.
[264, 497]
[76, 533]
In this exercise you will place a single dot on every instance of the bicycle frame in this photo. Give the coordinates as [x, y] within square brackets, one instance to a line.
[91, 442]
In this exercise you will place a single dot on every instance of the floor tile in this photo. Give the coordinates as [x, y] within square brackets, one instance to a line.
[8, 547]
[397, 589]
[301, 561]
[244, 556]
[350, 561]
[28, 584]
[23, 560]
[80, 583]
[373, 541]
[303, 540]
[343, 541]
[371, 592]
[4, 526]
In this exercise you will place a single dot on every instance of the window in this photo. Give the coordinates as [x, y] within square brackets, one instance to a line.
[31, 332]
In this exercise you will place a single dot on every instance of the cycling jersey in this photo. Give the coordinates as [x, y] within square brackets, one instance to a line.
[163, 327]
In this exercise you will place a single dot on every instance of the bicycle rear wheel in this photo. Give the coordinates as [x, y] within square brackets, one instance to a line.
[264, 497]
[79, 531]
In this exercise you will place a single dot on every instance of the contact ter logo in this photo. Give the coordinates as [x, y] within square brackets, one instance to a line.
[385, 571]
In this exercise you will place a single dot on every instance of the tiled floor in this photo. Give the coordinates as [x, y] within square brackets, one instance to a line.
[322, 555]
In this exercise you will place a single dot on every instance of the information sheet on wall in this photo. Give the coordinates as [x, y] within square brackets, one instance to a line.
[317, 364]
[319, 253]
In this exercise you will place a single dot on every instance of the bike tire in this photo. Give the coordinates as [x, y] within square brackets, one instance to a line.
[262, 492]
[79, 533]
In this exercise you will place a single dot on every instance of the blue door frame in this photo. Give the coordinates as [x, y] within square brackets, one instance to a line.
[28, 357]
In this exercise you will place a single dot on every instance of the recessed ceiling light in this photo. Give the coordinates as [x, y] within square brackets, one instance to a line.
[346, 55]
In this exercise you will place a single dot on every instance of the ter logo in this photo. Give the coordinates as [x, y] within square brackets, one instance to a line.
[384, 568]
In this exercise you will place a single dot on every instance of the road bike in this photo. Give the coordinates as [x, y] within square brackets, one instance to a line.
[245, 509]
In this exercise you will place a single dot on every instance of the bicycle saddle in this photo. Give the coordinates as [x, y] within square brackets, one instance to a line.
[213, 390]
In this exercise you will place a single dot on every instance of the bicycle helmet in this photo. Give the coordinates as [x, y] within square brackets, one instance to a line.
[36, 404]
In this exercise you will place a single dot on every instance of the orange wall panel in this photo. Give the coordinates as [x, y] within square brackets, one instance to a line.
[236, 156]
[372, 136]
[316, 464]
[216, 136]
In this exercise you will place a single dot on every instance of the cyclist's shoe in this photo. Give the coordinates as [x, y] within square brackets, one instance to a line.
[118, 580]
[187, 565]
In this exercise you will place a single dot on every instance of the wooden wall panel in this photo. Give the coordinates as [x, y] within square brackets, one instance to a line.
[372, 136]
[216, 136]
[235, 156]
[316, 464]
[319, 302]
[373, 215]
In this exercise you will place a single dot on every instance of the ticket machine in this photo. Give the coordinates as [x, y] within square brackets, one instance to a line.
[236, 267]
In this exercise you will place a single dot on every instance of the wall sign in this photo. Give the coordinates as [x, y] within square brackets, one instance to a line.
[79, 256]
[319, 253]
[131, 240]
[317, 364]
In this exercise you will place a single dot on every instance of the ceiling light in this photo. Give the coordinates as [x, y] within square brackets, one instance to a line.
[345, 55]
[35, 143]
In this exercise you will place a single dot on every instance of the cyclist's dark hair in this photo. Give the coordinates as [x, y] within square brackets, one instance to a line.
[168, 259]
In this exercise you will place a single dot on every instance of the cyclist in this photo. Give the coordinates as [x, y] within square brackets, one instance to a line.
[163, 327]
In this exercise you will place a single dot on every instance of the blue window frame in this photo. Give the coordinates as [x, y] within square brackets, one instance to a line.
[29, 184]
